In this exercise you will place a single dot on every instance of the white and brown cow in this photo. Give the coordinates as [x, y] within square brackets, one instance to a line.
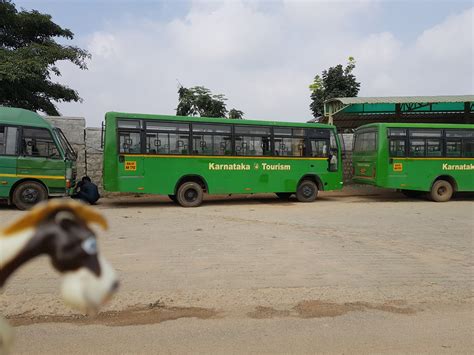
[61, 230]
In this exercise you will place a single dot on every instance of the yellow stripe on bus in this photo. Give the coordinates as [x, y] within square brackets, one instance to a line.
[48, 177]
[216, 157]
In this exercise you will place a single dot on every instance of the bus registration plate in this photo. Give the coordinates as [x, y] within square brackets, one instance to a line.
[131, 166]
[397, 167]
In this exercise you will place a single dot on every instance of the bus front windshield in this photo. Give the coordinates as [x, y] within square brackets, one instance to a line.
[67, 148]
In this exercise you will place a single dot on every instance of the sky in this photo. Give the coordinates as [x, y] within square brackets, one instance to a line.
[262, 55]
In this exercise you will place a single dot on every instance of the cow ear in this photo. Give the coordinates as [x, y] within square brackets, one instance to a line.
[44, 209]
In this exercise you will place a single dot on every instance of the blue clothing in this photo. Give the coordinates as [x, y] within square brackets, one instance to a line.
[88, 192]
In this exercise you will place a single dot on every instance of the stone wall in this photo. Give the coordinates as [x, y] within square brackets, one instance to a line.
[73, 128]
[93, 154]
[87, 144]
[346, 140]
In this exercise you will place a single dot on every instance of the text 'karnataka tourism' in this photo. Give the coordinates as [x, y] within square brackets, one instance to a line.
[246, 167]
[458, 166]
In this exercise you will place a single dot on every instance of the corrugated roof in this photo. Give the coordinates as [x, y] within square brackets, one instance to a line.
[403, 99]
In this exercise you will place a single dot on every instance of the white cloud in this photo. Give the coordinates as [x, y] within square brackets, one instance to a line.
[263, 61]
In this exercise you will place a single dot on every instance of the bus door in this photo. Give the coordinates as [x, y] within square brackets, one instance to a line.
[40, 158]
[364, 157]
[323, 144]
[130, 165]
[8, 158]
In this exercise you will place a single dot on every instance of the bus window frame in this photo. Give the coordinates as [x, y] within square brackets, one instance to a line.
[376, 144]
[21, 152]
[17, 143]
[221, 134]
[129, 130]
[144, 129]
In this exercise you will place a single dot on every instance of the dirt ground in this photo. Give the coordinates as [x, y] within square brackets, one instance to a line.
[354, 272]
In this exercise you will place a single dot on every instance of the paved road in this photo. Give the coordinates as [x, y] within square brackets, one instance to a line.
[347, 273]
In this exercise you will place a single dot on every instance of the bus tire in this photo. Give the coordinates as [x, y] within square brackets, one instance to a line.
[172, 197]
[190, 194]
[307, 191]
[284, 195]
[27, 194]
[441, 191]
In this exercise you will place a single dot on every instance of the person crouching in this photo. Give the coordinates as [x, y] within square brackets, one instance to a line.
[86, 191]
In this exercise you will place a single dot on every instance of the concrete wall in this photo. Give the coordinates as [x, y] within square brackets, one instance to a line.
[347, 141]
[73, 128]
[86, 142]
[94, 155]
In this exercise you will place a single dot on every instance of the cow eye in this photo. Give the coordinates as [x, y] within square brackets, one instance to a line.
[89, 246]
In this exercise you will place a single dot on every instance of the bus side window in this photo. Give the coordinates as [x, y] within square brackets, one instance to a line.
[417, 147]
[8, 140]
[433, 148]
[319, 148]
[397, 147]
[468, 148]
[129, 142]
[453, 147]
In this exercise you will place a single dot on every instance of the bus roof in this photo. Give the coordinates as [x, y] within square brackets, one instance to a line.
[214, 120]
[22, 117]
[416, 125]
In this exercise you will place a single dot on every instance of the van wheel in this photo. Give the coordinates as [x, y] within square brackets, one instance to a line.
[190, 194]
[27, 194]
[284, 195]
[307, 191]
[441, 191]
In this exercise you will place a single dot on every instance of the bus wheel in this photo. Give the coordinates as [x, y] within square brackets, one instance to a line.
[307, 191]
[190, 194]
[172, 197]
[28, 193]
[441, 191]
[284, 195]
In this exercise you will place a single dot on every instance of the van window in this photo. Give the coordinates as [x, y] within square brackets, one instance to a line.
[38, 142]
[8, 140]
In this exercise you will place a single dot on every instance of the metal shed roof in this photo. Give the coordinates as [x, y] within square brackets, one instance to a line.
[351, 112]
[403, 99]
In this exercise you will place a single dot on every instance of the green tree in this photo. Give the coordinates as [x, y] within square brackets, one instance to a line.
[333, 82]
[199, 101]
[28, 56]
[236, 114]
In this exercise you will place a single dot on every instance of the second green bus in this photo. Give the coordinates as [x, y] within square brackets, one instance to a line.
[185, 157]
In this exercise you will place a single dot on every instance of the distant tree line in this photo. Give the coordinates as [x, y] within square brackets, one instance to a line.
[199, 101]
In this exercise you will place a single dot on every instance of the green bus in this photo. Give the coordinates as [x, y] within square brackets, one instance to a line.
[36, 159]
[415, 158]
[185, 157]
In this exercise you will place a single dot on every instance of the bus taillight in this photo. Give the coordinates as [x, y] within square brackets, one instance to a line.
[68, 183]
[373, 172]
